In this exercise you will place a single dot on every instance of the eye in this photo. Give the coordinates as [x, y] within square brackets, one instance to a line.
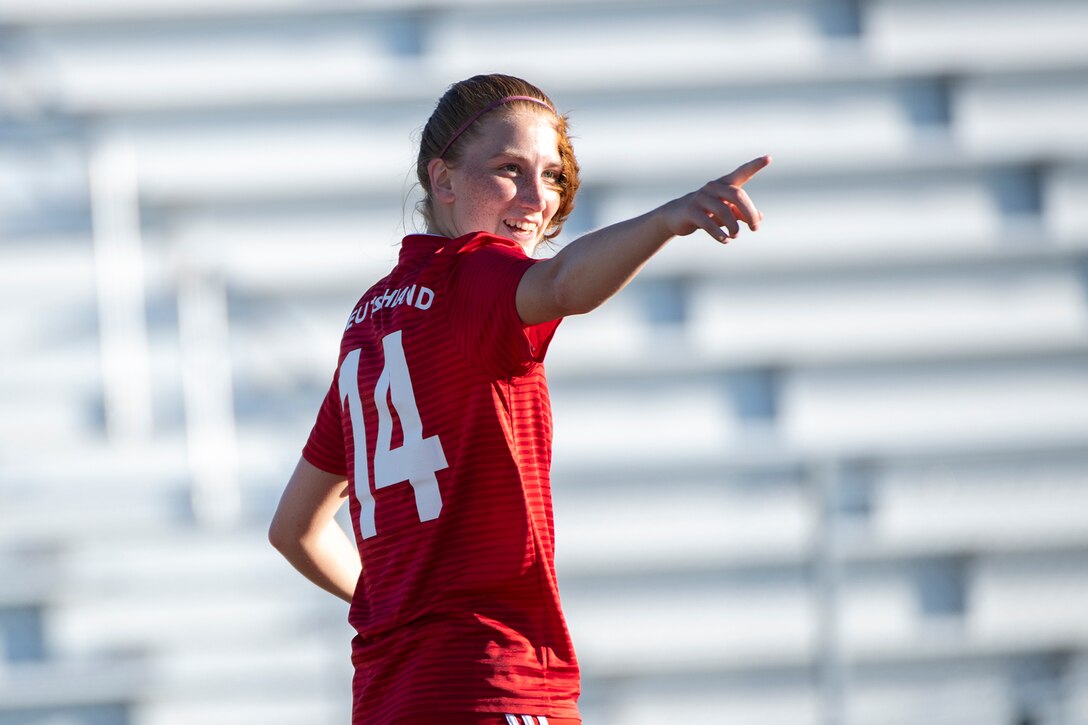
[510, 168]
[554, 177]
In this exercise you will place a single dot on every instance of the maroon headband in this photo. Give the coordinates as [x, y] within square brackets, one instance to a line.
[489, 107]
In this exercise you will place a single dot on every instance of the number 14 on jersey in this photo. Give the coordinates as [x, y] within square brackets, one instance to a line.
[415, 461]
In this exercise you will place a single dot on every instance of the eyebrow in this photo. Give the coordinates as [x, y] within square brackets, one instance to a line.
[556, 162]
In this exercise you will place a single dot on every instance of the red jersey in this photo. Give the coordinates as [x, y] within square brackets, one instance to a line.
[439, 417]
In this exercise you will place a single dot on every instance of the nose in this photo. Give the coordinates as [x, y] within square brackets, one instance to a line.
[534, 193]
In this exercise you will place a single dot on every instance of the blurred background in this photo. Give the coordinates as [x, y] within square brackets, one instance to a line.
[835, 473]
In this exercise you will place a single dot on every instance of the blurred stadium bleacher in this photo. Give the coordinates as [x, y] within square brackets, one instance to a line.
[835, 473]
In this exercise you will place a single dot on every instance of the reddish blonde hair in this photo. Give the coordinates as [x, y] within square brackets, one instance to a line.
[464, 100]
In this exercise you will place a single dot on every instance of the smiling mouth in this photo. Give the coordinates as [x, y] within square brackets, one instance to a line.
[520, 227]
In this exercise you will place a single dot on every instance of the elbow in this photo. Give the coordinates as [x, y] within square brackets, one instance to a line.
[274, 537]
[278, 535]
[290, 536]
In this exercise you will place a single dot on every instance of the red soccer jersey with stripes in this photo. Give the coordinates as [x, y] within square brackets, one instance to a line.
[439, 416]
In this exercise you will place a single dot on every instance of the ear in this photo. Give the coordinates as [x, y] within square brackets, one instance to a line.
[441, 181]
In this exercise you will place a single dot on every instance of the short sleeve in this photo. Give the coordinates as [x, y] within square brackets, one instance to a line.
[483, 313]
[325, 446]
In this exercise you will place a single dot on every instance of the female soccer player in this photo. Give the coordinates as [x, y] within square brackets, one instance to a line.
[437, 425]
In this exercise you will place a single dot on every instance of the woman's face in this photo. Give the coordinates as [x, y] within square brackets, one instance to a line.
[506, 182]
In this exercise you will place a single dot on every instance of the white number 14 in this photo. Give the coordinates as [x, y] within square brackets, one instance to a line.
[416, 460]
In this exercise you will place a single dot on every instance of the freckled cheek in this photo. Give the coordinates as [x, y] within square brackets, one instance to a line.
[488, 187]
[483, 204]
[553, 203]
[501, 190]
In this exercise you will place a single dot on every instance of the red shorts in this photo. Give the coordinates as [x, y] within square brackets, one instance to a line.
[483, 718]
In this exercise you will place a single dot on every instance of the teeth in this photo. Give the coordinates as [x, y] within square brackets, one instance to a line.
[521, 226]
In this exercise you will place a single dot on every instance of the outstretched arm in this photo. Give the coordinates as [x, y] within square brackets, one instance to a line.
[596, 266]
[305, 532]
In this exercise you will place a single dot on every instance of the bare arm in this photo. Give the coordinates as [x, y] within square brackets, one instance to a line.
[596, 266]
[305, 532]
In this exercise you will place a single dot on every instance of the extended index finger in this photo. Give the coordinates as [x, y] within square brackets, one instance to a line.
[744, 172]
